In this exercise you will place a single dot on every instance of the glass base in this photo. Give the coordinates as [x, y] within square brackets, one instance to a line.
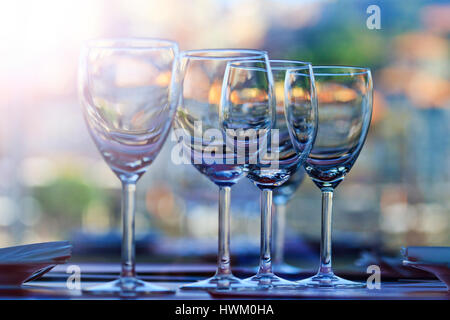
[127, 287]
[330, 281]
[268, 281]
[285, 268]
[220, 282]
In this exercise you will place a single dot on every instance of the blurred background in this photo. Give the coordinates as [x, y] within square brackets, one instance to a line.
[56, 186]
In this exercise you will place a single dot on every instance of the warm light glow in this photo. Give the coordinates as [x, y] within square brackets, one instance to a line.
[409, 75]
[379, 106]
[421, 45]
[248, 95]
[40, 38]
[279, 94]
[163, 79]
[214, 93]
[335, 93]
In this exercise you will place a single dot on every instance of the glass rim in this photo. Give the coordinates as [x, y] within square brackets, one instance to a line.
[242, 64]
[298, 62]
[198, 54]
[346, 70]
[130, 43]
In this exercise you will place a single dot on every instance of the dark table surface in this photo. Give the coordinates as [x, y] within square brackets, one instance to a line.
[53, 285]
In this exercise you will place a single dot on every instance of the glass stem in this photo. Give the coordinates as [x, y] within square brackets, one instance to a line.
[325, 242]
[279, 221]
[128, 210]
[223, 261]
[265, 263]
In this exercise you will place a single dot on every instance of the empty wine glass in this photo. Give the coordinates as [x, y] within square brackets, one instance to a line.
[274, 167]
[201, 133]
[283, 193]
[128, 93]
[345, 109]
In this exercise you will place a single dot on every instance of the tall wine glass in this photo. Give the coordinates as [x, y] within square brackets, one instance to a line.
[345, 109]
[283, 193]
[281, 197]
[275, 167]
[200, 131]
[128, 94]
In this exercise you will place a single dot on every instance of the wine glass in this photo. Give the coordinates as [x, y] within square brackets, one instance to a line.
[283, 193]
[345, 109]
[200, 131]
[279, 163]
[128, 94]
[281, 196]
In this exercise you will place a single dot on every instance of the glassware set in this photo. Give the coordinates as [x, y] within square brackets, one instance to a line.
[236, 114]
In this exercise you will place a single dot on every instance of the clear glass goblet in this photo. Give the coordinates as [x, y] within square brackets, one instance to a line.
[203, 142]
[283, 194]
[345, 109]
[128, 94]
[274, 166]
